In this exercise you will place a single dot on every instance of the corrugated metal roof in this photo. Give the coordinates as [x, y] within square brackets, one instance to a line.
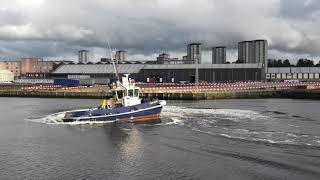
[98, 69]
[135, 68]
[279, 70]
[201, 66]
[294, 70]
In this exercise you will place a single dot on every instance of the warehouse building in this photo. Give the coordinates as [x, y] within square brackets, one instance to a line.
[164, 72]
[207, 72]
[293, 73]
[96, 73]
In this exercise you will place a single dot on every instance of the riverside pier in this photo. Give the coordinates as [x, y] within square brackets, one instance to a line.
[204, 91]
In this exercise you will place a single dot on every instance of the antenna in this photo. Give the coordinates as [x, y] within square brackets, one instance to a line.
[113, 63]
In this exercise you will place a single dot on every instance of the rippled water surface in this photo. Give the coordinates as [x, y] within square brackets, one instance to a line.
[223, 139]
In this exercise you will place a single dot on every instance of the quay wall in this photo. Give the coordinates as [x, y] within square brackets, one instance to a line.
[285, 93]
[257, 94]
[53, 94]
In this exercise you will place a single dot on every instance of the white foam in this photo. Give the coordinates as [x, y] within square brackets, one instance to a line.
[181, 115]
[57, 119]
[206, 123]
[175, 121]
[272, 137]
[50, 119]
[226, 135]
[232, 114]
[287, 141]
[293, 125]
[209, 117]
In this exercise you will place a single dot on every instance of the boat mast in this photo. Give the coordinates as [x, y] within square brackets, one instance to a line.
[113, 63]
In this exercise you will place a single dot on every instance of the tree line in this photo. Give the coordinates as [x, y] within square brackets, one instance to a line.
[286, 63]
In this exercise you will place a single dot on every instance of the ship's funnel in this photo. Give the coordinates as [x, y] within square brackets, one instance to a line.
[125, 80]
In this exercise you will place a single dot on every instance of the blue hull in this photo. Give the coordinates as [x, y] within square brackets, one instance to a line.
[138, 113]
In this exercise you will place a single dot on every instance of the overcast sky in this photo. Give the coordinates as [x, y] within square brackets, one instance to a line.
[57, 29]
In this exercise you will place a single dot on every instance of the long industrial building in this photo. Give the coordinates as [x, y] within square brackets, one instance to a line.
[167, 73]
[102, 73]
[293, 73]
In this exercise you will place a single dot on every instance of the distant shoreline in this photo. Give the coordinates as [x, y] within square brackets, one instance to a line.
[249, 94]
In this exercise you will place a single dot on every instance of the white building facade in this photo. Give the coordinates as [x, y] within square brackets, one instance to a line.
[6, 76]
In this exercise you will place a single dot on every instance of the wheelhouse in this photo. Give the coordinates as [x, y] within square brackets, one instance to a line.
[125, 93]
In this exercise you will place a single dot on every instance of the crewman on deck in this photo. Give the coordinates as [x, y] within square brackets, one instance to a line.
[104, 104]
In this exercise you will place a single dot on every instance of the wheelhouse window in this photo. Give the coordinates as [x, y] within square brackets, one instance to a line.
[130, 93]
[136, 92]
[120, 94]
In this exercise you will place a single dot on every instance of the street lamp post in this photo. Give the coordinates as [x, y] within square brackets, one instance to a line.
[197, 74]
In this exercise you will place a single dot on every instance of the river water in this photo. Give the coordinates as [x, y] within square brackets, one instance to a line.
[223, 139]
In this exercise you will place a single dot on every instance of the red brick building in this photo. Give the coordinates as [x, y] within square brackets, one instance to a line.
[27, 66]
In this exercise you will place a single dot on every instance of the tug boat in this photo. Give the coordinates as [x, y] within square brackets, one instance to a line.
[124, 106]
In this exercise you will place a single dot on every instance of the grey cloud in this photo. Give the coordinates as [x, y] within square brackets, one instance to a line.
[10, 17]
[148, 27]
[20, 49]
[299, 9]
